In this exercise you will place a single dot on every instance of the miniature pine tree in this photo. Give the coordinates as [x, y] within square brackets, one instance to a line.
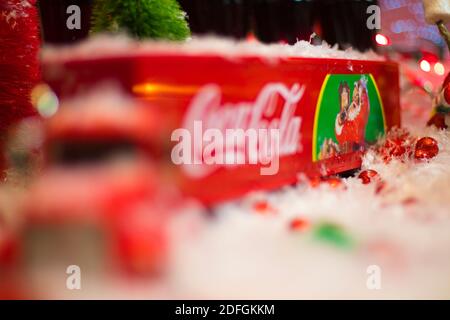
[154, 19]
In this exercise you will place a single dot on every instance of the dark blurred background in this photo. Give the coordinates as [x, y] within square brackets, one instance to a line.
[342, 22]
[336, 21]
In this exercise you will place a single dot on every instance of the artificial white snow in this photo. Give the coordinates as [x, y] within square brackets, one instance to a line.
[113, 46]
[244, 254]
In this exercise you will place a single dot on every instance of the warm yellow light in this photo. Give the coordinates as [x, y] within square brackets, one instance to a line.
[425, 65]
[147, 89]
[381, 39]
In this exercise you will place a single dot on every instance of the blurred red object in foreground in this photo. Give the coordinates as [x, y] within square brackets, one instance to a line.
[426, 148]
[101, 174]
[19, 67]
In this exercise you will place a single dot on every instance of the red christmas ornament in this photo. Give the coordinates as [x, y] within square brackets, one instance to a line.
[19, 67]
[426, 148]
[298, 224]
[366, 176]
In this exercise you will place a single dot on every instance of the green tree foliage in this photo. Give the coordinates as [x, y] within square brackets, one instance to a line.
[143, 19]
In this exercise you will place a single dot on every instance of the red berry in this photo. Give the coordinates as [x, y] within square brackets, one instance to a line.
[367, 175]
[426, 148]
[298, 224]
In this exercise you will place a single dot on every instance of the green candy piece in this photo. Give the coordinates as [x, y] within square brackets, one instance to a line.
[142, 19]
[333, 234]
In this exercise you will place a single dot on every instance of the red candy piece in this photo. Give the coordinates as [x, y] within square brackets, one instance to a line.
[315, 182]
[367, 175]
[426, 148]
[381, 185]
[409, 201]
[263, 207]
[298, 224]
[397, 145]
[334, 182]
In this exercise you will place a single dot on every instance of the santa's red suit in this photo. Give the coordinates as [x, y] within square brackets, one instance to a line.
[363, 116]
[346, 133]
[352, 130]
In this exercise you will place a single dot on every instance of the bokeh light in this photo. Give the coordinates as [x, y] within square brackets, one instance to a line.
[44, 100]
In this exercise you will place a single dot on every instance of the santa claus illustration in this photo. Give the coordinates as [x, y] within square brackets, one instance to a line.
[346, 130]
[359, 109]
[351, 121]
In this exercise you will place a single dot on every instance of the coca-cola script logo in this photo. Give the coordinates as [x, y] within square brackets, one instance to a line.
[215, 134]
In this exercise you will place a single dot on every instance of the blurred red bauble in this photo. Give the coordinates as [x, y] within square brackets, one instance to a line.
[366, 176]
[426, 148]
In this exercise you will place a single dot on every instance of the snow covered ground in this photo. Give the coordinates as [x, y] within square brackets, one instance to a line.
[401, 234]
